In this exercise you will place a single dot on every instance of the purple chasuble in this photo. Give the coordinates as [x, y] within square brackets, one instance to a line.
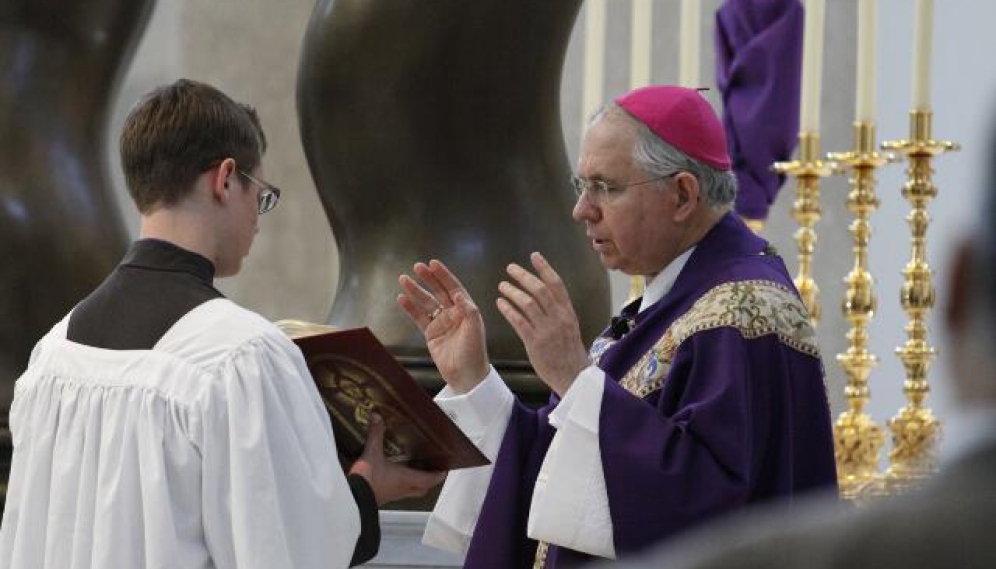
[714, 401]
[758, 68]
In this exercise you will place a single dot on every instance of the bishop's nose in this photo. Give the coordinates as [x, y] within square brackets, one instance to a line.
[584, 210]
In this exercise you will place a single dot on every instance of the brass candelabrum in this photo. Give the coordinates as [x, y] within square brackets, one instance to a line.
[808, 169]
[637, 286]
[755, 225]
[857, 439]
[915, 431]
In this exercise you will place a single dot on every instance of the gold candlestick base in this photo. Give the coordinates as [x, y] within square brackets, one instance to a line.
[807, 171]
[857, 443]
[915, 431]
[913, 458]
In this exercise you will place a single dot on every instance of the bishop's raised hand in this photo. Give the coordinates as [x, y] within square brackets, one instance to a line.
[452, 325]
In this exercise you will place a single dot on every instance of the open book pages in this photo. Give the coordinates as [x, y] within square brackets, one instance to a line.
[300, 328]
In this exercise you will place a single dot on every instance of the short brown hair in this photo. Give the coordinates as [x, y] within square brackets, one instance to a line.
[177, 132]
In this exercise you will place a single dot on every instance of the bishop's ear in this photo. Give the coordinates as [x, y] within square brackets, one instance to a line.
[686, 195]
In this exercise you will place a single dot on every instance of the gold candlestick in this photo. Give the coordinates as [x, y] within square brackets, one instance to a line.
[637, 285]
[755, 225]
[915, 431]
[857, 439]
[807, 170]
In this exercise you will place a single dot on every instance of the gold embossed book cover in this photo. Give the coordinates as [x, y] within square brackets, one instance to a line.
[356, 375]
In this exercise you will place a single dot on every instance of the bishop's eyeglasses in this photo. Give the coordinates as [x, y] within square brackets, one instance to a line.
[601, 192]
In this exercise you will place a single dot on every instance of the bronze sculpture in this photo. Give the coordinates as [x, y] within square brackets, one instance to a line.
[432, 129]
[60, 65]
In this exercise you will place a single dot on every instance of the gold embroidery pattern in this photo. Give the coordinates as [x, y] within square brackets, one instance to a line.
[649, 372]
[755, 308]
[541, 551]
[598, 349]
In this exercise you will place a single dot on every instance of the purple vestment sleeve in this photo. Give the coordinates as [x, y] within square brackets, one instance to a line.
[758, 68]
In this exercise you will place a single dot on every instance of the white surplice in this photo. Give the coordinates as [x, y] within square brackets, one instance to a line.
[213, 450]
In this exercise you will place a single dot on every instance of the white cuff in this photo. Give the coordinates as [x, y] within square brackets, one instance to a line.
[441, 536]
[573, 511]
[482, 414]
[586, 389]
[476, 411]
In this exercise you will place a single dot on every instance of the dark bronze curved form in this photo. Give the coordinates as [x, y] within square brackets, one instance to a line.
[60, 229]
[432, 129]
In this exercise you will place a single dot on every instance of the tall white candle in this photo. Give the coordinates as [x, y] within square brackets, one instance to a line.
[812, 66]
[923, 42]
[594, 59]
[864, 102]
[690, 41]
[640, 51]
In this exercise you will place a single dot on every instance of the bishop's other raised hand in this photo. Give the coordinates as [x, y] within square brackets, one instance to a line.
[539, 309]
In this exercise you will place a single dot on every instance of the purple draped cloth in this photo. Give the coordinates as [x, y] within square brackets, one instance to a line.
[758, 68]
[733, 411]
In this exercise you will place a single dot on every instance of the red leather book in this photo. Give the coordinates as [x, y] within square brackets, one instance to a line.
[356, 375]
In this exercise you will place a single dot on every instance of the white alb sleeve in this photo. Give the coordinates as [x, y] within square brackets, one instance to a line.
[482, 414]
[570, 506]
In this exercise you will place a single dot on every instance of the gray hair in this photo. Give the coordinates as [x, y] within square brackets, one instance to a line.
[658, 158]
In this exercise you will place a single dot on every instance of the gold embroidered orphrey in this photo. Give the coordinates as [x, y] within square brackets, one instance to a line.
[755, 308]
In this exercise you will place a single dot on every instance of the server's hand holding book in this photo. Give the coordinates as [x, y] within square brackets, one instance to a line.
[357, 376]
